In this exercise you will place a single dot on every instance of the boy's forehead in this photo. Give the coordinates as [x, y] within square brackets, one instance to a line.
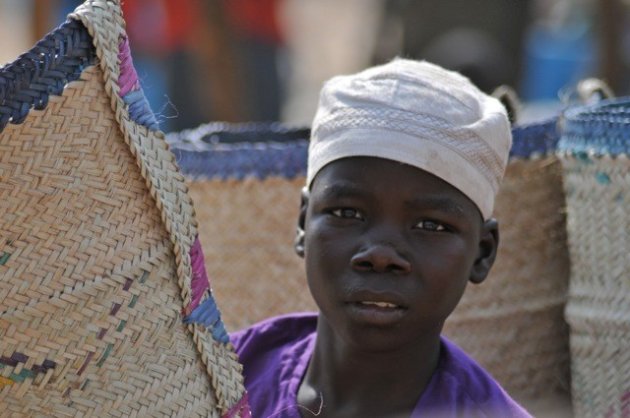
[374, 176]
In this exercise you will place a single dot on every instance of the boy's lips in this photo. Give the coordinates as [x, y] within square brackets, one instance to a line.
[378, 299]
[379, 304]
[376, 308]
[375, 313]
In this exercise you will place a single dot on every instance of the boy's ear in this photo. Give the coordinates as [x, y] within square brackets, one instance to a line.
[298, 243]
[488, 246]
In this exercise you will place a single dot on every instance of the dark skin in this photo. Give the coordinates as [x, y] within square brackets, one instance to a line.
[389, 249]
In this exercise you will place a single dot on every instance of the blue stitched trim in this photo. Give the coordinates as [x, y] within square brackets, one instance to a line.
[229, 133]
[54, 61]
[140, 111]
[259, 160]
[259, 150]
[221, 150]
[539, 138]
[600, 129]
[207, 314]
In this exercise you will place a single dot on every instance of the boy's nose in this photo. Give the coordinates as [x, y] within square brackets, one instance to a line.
[380, 258]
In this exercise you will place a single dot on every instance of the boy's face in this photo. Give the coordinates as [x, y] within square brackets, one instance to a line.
[389, 249]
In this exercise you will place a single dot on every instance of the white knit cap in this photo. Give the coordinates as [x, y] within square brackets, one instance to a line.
[419, 114]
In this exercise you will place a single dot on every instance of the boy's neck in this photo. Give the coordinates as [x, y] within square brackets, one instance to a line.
[342, 381]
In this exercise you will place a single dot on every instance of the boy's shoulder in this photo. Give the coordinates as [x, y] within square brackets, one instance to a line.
[274, 354]
[275, 333]
[460, 386]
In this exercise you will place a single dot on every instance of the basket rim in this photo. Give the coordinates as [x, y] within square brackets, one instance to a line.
[576, 114]
[598, 129]
[45, 69]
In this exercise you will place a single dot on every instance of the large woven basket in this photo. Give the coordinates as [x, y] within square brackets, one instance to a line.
[105, 308]
[246, 181]
[513, 322]
[594, 152]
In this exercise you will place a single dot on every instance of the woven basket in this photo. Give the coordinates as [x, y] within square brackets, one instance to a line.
[594, 152]
[513, 322]
[246, 180]
[105, 307]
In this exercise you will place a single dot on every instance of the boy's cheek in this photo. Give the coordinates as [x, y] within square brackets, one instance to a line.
[328, 249]
[320, 230]
[449, 251]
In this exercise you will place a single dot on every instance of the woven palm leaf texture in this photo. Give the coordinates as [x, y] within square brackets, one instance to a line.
[105, 305]
[512, 323]
[594, 152]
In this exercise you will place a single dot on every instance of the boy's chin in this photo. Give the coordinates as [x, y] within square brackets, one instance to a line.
[371, 337]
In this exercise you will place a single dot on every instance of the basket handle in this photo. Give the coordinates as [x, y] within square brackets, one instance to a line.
[593, 90]
[509, 99]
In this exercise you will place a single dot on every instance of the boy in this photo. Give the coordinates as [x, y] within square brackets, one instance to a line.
[404, 164]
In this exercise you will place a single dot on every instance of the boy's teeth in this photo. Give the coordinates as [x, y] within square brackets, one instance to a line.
[379, 304]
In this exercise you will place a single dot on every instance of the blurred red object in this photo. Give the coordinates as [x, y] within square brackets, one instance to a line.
[255, 19]
[161, 26]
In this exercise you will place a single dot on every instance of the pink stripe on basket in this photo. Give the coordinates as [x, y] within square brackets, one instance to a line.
[240, 409]
[128, 79]
[200, 282]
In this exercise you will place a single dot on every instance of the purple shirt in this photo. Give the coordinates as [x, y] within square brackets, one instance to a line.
[276, 352]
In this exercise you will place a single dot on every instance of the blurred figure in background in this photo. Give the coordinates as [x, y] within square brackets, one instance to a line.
[258, 43]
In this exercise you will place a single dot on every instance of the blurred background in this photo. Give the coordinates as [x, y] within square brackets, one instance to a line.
[265, 60]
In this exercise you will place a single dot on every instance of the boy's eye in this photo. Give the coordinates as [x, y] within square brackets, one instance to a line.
[431, 226]
[347, 213]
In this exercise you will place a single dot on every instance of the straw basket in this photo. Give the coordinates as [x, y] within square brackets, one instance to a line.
[513, 322]
[246, 181]
[105, 307]
[594, 152]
